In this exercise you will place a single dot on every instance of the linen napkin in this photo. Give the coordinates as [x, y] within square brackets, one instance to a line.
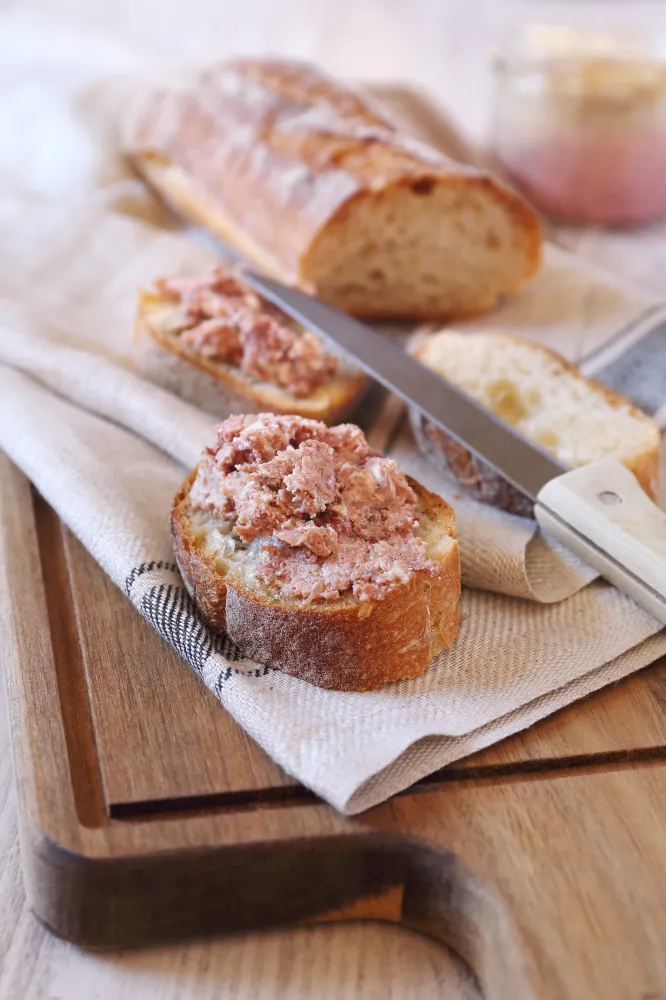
[108, 451]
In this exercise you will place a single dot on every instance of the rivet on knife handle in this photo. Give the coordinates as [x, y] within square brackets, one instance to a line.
[601, 513]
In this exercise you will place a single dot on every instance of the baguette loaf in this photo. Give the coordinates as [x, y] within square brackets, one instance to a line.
[341, 641]
[162, 355]
[311, 180]
[546, 398]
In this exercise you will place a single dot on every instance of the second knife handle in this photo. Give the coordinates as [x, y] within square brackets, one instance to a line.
[601, 513]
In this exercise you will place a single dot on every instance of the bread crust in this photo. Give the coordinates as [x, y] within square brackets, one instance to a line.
[347, 644]
[276, 185]
[222, 389]
[483, 483]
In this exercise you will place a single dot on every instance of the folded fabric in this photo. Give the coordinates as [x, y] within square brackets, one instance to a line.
[108, 451]
[79, 266]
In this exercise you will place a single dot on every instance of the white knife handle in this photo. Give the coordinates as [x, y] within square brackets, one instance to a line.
[601, 513]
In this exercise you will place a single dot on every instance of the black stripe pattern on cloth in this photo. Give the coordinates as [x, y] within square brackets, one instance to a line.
[147, 567]
[156, 589]
[172, 612]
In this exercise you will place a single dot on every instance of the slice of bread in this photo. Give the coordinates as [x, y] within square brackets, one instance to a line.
[220, 388]
[345, 644]
[543, 396]
[316, 184]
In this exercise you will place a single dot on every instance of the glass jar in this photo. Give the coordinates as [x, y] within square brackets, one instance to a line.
[580, 124]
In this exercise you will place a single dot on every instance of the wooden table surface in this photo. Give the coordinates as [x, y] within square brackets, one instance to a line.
[441, 44]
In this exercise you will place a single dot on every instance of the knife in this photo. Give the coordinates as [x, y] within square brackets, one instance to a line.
[598, 511]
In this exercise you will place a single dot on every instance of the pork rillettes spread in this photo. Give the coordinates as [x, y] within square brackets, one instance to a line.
[222, 319]
[332, 514]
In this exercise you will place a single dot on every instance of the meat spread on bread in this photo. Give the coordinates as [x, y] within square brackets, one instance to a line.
[215, 342]
[317, 184]
[307, 546]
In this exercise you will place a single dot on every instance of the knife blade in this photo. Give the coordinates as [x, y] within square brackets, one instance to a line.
[598, 511]
[524, 464]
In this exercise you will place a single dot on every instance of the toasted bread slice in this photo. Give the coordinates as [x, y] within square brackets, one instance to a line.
[345, 644]
[221, 388]
[547, 399]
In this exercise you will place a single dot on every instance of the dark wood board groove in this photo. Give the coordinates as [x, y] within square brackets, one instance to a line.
[83, 760]
[297, 794]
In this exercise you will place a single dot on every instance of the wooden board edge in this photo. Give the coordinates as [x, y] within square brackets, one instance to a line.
[372, 874]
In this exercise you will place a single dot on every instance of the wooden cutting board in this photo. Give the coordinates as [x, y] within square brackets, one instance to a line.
[147, 814]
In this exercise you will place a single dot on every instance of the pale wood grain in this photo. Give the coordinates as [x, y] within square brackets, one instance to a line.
[367, 960]
[604, 901]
